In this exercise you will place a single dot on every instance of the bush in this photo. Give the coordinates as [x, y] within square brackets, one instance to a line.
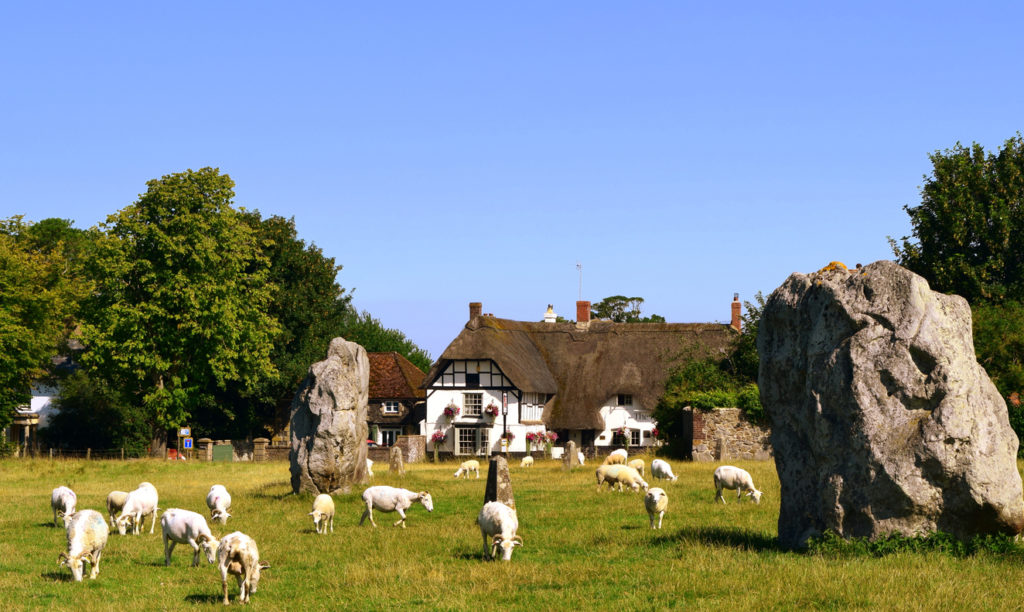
[749, 401]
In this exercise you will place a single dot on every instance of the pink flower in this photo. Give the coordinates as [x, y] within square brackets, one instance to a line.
[438, 436]
[552, 436]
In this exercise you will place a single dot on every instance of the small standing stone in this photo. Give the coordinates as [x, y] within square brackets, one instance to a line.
[721, 450]
[499, 483]
[395, 465]
[571, 458]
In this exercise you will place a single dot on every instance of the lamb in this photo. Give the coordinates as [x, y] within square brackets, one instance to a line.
[468, 466]
[87, 536]
[616, 457]
[656, 502]
[391, 499]
[141, 502]
[187, 527]
[500, 522]
[63, 501]
[731, 477]
[323, 511]
[238, 555]
[526, 462]
[661, 469]
[369, 468]
[115, 501]
[620, 475]
[218, 500]
[638, 465]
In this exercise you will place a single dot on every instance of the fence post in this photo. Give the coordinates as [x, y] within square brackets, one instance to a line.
[51, 454]
[88, 454]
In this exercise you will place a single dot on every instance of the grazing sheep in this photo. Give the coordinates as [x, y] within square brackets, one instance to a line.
[218, 500]
[638, 465]
[607, 474]
[581, 457]
[526, 462]
[732, 477]
[499, 522]
[656, 502]
[391, 499]
[619, 475]
[115, 501]
[616, 457]
[323, 511]
[237, 555]
[369, 468]
[187, 527]
[63, 501]
[661, 469]
[468, 466]
[87, 536]
[141, 502]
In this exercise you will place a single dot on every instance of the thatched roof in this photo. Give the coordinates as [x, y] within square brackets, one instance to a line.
[392, 376]
[584, 365]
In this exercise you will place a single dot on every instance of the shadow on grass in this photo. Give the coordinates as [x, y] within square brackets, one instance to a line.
[264, 491]
[205, 598]
[59, 576]
[722, 537]
[469, 556]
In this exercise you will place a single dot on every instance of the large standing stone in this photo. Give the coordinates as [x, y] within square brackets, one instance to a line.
[499, 482]
[328, 424]
[571, 458]
[395, 464]
[882, 419]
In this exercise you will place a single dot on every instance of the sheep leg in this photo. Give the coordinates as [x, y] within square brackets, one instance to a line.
[718, 493]
[153, 524]
[168, 549]
[487, 552]
[94, 559]
[332, 524]
[224, 583]
[195, 553]
[367, 513]
[400, 521]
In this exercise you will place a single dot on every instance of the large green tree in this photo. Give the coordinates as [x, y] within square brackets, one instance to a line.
[368, 331]
[181, 299]
[622, 309]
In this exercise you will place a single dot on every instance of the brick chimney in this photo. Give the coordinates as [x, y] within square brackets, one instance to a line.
[583, 311]
[736, 321]
[475, 309]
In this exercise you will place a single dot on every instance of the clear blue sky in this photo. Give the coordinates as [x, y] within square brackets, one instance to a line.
[448, 152]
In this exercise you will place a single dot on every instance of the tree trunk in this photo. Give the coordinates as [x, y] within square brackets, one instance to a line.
[158, 444]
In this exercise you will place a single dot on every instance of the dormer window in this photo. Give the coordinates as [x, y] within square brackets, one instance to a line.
[391, 407]
[625, 400]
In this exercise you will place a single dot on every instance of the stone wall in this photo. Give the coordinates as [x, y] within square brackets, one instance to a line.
[414, 450]
[725, 433]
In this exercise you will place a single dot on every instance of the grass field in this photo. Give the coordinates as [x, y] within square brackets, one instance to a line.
[584, 549]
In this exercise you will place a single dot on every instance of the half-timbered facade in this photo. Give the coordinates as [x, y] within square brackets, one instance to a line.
[593, 382]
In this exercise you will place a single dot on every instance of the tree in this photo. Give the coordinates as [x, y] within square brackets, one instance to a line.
[622, 309]
[181, 299]
[37, 298]
[363, 329]
[969, 226]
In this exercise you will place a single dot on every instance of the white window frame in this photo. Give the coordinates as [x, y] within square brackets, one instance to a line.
[624, 399]
[390, 407]
[472, 404]
[472, 441]
[384, 432]
[636, 437]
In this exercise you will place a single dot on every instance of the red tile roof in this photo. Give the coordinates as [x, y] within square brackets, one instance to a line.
[394, 376]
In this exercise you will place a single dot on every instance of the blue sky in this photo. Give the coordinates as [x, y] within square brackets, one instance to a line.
[462, 151]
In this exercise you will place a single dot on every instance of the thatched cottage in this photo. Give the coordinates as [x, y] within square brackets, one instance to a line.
[592, 382]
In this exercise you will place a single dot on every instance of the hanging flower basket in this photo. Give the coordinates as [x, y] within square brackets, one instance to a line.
[451, 410]
[508, 435]
[491, 410]
[438, 437]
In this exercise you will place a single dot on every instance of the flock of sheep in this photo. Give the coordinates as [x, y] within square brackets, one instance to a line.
[237, 554]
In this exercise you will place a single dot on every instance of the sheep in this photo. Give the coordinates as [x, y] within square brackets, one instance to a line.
[218, 500]
[656, 502]
[369, 468]
[187, 527]
[238, 555]
[638, 465]
[63, 501]
[115, 501]
[468, 466]
[323, 511]
[526, 462]
[661, 469]
[732, 477]
[616, 457]
[87, 533]
[631, 478]
[391, 499]
[607, 473]
[582, 459]
[141, 502]
[500, 522]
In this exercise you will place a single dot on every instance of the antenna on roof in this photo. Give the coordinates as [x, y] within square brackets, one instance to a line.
[579, 267]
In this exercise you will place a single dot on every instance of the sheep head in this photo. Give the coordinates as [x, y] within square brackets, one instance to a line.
[209, 545]
[506, 546]
[755, 495]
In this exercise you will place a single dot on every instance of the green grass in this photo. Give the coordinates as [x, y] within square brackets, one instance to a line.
[583, 549]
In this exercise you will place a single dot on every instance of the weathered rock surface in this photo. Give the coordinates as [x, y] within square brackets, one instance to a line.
[499, 482]
[570, 458]
[882, 419]
[328, 423]
[395, 463]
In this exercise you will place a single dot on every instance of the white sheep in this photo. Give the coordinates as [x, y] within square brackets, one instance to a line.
[638, 465]
[582, 459]
[656, 502]
[141, 502]
[369, 468]
[620, 475]
[323, 511]
[526, 462]
[468, 466]
[63, 501]
[187, 527]
[732, 477]
[391, 499]
[218, 500]
[607, 474]
[662, 470]
[499, 522]
[616, 457]
[87, 533]
[115, 502]
[238, 555]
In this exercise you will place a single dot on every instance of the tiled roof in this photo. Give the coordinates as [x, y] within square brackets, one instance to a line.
[394, 376]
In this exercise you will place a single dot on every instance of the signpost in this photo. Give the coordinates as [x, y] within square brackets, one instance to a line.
[504, 419]
[185, 440]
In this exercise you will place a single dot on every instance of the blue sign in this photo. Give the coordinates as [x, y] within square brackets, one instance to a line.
[188, 442]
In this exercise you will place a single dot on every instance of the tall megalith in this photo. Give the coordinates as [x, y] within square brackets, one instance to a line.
[328, 422]
[882, 419]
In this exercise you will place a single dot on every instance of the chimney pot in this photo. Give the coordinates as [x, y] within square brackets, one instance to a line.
[475, 309]
[582, 311]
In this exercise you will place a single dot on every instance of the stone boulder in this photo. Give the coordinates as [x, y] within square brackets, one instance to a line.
[882, 419]
[328, 422]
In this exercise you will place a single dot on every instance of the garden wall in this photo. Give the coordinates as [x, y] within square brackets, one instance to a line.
[726, 433]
